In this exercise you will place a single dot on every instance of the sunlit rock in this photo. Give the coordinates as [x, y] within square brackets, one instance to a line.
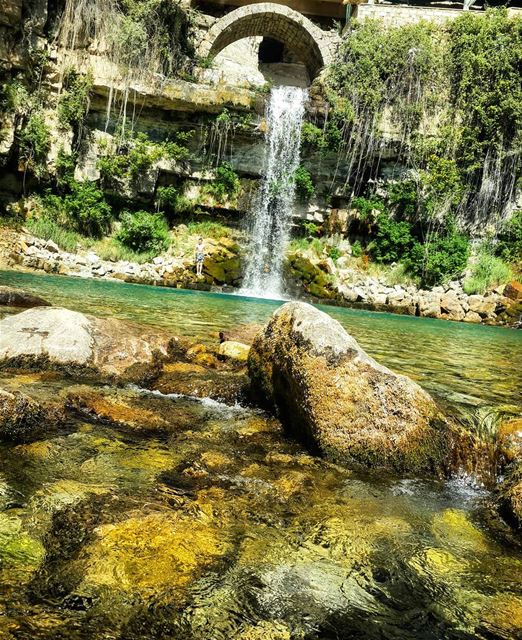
[454, 528]
[333, 396]
[234, 350]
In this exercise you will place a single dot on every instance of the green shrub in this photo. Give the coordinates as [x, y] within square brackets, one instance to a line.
[83, 209]
[357, 249]
[172, 202]
[487, 272]
[312, 137]
[392, 242]
[509, 245]
[403, 198]
[368, 208]
[303, 184]
[65, 165]
[226, 184]
[86, 209]
[441, 258]
[136, 154]
[143, 231]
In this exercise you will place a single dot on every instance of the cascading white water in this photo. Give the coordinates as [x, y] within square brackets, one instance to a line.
[270, 217]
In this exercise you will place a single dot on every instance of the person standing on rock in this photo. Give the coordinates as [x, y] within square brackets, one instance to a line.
[200, 256]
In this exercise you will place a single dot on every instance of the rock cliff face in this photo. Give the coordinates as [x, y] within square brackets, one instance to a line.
[329, 393]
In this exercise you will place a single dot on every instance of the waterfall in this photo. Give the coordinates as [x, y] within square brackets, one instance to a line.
[270, 218]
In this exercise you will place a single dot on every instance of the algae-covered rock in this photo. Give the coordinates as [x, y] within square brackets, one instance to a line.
[12, 297]
[71, 339]
[331, 394]
[123, 407]
[22, 418]
[194, 379]
[147, 554]
[17, 547]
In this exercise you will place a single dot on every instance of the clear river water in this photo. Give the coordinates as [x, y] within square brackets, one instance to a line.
[218, 526]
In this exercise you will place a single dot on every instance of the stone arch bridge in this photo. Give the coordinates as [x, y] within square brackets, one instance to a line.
[308, 42]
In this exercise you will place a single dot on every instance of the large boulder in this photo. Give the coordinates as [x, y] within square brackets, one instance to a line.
[11, 297]
[333, 396]
[69, 339]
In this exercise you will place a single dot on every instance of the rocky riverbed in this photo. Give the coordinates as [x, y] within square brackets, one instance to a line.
[143, 494]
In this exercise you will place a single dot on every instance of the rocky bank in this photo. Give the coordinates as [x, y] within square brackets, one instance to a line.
[319, 279]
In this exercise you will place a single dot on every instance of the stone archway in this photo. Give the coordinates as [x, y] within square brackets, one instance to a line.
[307, 41]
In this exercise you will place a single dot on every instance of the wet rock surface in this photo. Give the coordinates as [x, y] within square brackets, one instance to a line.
[330, 394]
[23, 419]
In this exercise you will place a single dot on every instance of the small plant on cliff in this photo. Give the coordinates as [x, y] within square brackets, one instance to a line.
[34, 144]
[310, 228]
[144, 232]
[73, 104]
[303, 184]
[509, 245]
[135, 154]
[226, 185]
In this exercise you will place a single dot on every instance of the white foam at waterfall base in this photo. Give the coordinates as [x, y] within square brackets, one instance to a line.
[270, 217]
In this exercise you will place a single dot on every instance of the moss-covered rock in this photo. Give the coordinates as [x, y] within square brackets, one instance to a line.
[332, 395]
[149, 554]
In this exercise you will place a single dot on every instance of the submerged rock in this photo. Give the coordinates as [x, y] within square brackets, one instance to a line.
[58, 336]
[331, 394]
[11, 297]
[145, 556]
